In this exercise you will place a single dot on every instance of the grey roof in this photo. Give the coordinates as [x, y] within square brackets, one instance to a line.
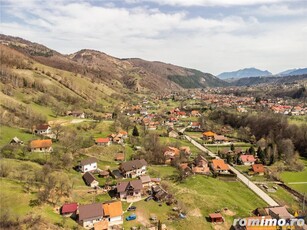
[87, 161]
[132, 165]
[90, 211]
[124, 185]
[16, 140]
[145, 179]
[88, 178]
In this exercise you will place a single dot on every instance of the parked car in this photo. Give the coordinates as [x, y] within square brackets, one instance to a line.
[131, 208]
[149, 198]
[131, 217]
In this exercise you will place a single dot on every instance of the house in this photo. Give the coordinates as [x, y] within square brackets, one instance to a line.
[209, 136]
[279, 213]
[102, 225]
[16, 141]
[185, 168]
[219, 166]
[201, 165]
[119, 156]
[220, 139]
[117, 138]
[113, 212]
[129, 190]
[195, 125]
[90, 214]
[77, 114]
[90, 180]
[216, 218]
[186, 150]
[41, 145]
[247, 159]
[103, 141]
[123, 134]
[88, 164]
[195, 113]
[258, 169]
[171, 152]
[159, 193]
[146, 181]
[104, 173]
[133, 169]
[143, 112]
[42, 129]
[69, 209]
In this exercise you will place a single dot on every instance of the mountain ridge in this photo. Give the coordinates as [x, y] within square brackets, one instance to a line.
[134, 73]
[242, 73]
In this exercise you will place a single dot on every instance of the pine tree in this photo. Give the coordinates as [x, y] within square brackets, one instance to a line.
[135, 132]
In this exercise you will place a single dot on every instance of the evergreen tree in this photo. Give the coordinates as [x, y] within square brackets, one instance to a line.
[135, 132]
[260, 154]
[251, 150]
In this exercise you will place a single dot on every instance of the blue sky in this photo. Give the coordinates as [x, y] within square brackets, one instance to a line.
[210, 35]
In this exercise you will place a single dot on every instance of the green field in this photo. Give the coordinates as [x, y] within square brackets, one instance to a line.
[298, 120]
[7, 133]
[289, 177]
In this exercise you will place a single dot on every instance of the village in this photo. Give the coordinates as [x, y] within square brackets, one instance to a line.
[139, 164]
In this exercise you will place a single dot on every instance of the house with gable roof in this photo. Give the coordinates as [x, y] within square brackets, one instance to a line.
[133, 169]
[88, 164]
[41, 145]
[129, 189]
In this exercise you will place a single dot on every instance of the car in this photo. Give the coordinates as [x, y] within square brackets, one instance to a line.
[131, 208]
[131, 217]
[149, 198]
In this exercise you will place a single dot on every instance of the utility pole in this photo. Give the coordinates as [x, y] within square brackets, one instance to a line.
[304, 203]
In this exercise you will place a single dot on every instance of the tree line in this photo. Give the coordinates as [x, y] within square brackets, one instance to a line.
[272, 131]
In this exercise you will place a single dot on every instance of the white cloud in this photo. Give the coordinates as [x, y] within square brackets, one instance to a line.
[208, 2]
[179, 37]
[277, 10]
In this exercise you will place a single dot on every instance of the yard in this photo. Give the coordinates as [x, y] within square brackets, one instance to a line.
[7, 133]
[296, 180]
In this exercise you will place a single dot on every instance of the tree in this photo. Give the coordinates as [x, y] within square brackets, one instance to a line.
[58, 131]
[135, 132]
[260, 155]
[232, 147]
[251, 150]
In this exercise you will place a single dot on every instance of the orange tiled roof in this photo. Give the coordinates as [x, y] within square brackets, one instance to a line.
[219, 164]
[258, 168]
[123, 132]
[41, 144]
[102, 225]
[209, 134]
[113, 209]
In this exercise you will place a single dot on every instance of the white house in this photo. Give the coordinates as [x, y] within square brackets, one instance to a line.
[133, 169]
[43, 129]
[113, 212]
[88, 164]
[90, 214]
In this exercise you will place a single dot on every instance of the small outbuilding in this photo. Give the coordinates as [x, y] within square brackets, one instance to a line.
[216, 218]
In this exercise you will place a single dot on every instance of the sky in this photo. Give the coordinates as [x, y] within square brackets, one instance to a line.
[209, 35]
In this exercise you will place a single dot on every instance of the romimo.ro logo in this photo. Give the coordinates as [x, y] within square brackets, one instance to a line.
[263, 221]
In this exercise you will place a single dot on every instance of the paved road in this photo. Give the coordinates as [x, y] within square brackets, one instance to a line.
[244, 179]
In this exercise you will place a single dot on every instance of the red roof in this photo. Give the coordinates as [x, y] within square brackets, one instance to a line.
[258, 168]
[247, 158]
[102, 140]
[69, 208]
[215, 215]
